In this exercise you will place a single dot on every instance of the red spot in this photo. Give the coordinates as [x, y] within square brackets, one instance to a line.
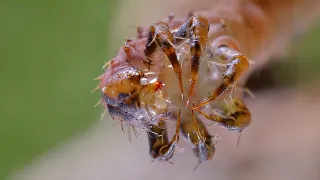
[158, 85]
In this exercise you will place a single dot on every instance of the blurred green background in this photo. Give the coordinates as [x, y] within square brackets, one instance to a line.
[50, 53]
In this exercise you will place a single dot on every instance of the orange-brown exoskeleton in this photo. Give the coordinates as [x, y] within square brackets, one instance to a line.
[134, 94]
[234, 70]
[160, 147]
[160, 35]
[127, 94]
[196, 31]
[203, 143]
[232, 30]
[238, 116]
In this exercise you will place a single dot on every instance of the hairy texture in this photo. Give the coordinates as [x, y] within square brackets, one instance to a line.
[273, 23]
[261, 28]
[230, 34]
[267, 151]
[258, 29]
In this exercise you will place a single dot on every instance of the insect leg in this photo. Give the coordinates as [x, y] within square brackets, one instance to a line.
[196, 29]
[160, 35]
[160, 147]
[158, 137]
[238, 120]
[234, 71]
[195, 132]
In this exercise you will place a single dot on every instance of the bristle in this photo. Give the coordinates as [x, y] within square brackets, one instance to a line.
[95, 89]
[98, 78]
[97, 104]
[250, 93]
[105, 65]
[103, 114]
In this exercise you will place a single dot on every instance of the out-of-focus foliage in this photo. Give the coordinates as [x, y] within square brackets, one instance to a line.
[50, 53]
[304, 60]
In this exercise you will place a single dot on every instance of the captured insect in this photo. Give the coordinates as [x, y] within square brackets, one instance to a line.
[194, 57]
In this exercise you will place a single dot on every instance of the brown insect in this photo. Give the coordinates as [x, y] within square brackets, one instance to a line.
[139, 90]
